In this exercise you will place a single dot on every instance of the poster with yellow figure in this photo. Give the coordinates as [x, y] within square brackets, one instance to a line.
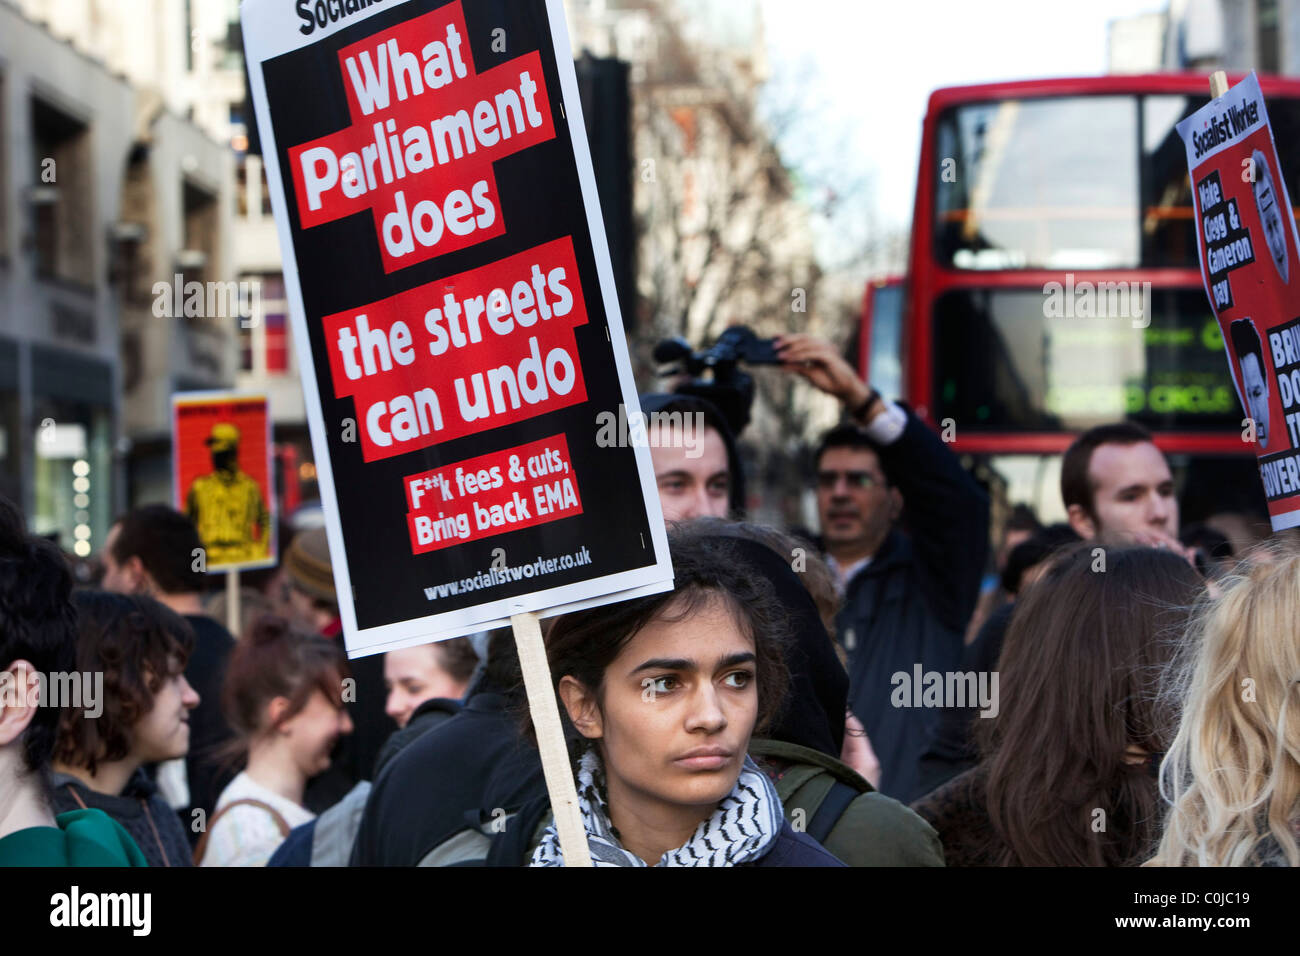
[221, 454]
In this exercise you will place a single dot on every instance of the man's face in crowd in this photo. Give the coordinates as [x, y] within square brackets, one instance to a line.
[690, 487]
[1133, 491]
[1256, 387]
[855, 506]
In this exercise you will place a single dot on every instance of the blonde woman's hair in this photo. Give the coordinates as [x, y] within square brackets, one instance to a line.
[1232, 774]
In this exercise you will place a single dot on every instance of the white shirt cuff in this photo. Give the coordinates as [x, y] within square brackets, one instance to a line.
[886, 427]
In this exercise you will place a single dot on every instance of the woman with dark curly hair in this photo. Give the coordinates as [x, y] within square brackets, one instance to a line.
[140, 715]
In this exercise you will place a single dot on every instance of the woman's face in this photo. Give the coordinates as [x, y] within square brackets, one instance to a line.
[412, 676]
[164, 732]
[678, 708]
[314, 730]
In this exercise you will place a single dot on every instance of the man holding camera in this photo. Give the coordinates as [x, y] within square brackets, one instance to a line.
[907, 594]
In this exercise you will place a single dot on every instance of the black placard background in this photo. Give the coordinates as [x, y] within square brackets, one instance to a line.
[340, 268]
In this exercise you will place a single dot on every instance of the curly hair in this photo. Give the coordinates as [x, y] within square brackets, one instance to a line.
[138, 644]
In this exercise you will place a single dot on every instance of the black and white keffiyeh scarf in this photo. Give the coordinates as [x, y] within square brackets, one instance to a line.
[742, 829]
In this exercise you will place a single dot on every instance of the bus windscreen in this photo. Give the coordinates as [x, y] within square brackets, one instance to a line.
[1013, 360]
[1071, 182]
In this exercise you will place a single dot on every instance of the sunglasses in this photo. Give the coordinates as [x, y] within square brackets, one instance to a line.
[826, 480]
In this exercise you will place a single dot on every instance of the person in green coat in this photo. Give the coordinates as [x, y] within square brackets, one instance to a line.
[75, 838]
[37, 642]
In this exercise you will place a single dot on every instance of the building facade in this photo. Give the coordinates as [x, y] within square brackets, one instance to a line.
[723, 238]
[1234, 35]
[106, 194]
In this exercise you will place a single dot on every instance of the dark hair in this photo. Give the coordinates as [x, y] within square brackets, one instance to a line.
[138, 644]
[165, 541]
[814, 573]
[1245, 340]
[501, 673]
[1210, 540]
[278, 659]
[457, 658]
[1079, 681]
[584, 643]
[669, 403]
[37, 620]
[1076, 486]
[1037, 549]
[1022, 518]
[850, 436]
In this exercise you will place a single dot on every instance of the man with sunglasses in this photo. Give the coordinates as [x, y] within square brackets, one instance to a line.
[908, 594]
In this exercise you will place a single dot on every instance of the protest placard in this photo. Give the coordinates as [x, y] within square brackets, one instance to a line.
[222, 478]
[1246, 236]
[453, 303]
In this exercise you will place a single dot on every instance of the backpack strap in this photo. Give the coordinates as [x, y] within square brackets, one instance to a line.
[281, 823]
[832, 807]
[514, 845]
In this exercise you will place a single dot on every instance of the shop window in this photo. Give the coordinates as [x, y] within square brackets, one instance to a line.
[199, 210]
[60, 197]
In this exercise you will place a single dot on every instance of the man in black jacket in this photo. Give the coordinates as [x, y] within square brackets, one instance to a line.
[474, 768]
[908, 595]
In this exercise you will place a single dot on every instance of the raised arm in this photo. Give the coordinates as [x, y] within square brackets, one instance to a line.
[946, 512]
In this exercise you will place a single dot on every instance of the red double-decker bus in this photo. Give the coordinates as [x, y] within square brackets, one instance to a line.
[1053, 284]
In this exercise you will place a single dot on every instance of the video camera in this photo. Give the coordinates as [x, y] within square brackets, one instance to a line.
[714, 373]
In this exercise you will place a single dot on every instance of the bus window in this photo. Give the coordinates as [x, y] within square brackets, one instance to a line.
[1168, 233]
[1168, 228]
[1043, 183]
[885, 367]
[1002, 363]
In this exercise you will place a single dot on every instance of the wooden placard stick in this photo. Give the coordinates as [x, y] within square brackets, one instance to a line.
[232, 603]
[1218, 83]
[550, 739]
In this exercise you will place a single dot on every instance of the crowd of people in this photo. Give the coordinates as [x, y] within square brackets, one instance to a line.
[1125, 691]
